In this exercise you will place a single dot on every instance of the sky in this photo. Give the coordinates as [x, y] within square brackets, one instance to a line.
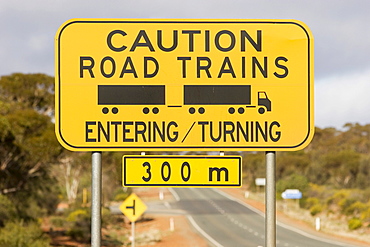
[340, 29]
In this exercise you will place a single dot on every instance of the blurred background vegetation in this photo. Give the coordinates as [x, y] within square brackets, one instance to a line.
[37, 174]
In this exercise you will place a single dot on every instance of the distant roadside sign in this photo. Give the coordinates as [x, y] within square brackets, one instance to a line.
[133, 207]
[291, 194]
[260, 181]
[131, 84]
[181, 171]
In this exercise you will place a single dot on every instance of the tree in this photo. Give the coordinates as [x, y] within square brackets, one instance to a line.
[70, 171]
[293, 181]
[29, 91]
[343, 167]
[289, 163]
[254, 166]
[28, 146]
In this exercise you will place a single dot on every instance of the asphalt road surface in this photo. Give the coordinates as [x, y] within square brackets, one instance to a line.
[227, 222]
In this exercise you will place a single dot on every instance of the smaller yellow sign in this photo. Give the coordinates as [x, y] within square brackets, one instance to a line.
[181, 171]
[133, 207]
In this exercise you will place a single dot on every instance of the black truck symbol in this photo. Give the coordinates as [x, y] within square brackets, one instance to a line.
[236, 97]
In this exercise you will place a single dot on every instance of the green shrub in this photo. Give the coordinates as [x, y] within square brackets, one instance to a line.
[338, 197]
[355, 208]
[316, 209]
[19, 234]
[106, 216]
[80, 225]
[345, 203]
[365, 214]
[354, 223]
[121, 197]
[120, 194]
[317, 191]
[309, 202]
[57, 221]
[293, 181]
[7, 210]
[75, 215]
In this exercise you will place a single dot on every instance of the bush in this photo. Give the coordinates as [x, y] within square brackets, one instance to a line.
[75, 215]
[365, 215]
[7, 210]
[106, 217]
[16, 234]
[317, 191]
[354, 223]
[355, 208]
[316, 209]
[345, 203]
[338, 197]
[57, 221]
[294, 181]
[309, 202]
[121, 193]
[121, 197]
[81, 225]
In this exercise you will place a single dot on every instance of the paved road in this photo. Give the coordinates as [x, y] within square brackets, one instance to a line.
[227, 222]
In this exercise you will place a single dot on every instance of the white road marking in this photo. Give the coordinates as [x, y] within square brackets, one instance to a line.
[200, 230]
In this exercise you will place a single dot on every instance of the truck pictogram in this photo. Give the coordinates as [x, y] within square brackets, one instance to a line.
[236, 98]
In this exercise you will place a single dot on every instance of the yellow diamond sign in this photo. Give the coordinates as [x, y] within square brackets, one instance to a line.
[131, 84]
[133, 207]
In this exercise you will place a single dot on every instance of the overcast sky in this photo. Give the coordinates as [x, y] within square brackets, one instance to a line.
[340, 28]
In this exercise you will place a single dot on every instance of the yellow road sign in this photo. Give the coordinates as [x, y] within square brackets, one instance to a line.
[129, 84]
[133, 207]
[181, 171]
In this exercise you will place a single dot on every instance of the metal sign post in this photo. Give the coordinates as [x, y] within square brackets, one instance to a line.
[133, 234]
[270, 201]
[96, 190]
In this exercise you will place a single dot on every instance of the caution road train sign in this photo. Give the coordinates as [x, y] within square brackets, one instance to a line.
[125, 84]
